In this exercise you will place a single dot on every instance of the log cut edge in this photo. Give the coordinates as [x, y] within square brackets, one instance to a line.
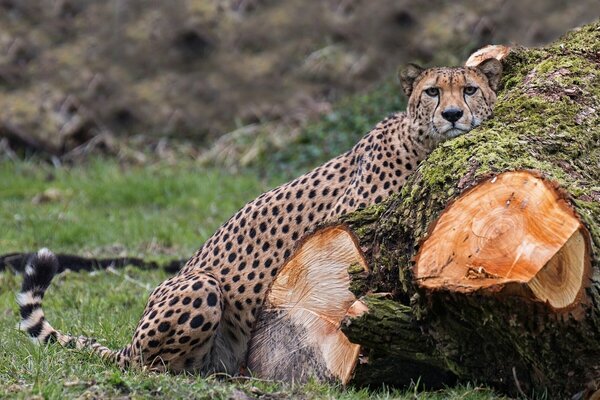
[512, 234]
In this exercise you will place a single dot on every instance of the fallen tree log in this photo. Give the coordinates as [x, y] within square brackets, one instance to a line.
[486, 267]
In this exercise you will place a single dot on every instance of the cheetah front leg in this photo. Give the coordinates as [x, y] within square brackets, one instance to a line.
[178, 329]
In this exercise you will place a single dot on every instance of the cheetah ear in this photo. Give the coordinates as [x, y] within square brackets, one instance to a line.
[407, 75]
[492, 69]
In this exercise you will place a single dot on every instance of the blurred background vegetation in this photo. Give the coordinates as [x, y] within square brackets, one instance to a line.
[232, 82]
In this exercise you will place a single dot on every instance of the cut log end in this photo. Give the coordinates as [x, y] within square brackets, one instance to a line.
[514, 232]
[298, 332]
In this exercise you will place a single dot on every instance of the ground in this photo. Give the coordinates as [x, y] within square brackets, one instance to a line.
[132, 210]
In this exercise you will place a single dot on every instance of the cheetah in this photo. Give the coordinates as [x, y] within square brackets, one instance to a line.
[201, 319]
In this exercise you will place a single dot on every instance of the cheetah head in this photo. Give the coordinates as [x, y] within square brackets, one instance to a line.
[447, 102]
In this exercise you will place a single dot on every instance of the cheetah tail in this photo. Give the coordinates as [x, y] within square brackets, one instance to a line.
[39, 271]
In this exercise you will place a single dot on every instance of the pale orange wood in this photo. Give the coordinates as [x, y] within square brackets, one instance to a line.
[499, 52]
[309, 299]
[514, 228]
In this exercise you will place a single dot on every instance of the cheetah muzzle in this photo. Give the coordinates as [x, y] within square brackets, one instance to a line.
[201, 319]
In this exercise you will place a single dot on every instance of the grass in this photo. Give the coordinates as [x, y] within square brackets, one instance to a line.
[146, 211]
[155, 211]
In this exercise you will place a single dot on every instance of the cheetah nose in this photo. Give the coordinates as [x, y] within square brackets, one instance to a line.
[452, 114]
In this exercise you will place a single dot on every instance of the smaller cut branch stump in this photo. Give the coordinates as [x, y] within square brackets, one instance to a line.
[297, 335]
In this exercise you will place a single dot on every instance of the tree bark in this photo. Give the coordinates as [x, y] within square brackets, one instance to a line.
[505, 334]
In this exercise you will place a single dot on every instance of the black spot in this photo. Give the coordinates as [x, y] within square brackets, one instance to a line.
[408, 166]
[285, 228]
[174, 301]
[183, 318]
[153, 343]
[265, 246]
[239, 305]
[169, 313]
[197, 321]
[268, 263]
[225, 271]
[197, 286]
[206, 326]
[164, 326]
[242, 288]
[211, 300]
[197, 303]
[235, 278]
[228, 246]
[242, 265]
[251, 275]
[252, 232]
[257, 287]
[184, 339]
[227, 287]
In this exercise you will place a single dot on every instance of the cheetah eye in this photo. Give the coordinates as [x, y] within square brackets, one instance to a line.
[470, 90]
[432, 91]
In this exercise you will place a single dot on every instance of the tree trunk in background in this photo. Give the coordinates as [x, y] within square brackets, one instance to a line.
[518, 331]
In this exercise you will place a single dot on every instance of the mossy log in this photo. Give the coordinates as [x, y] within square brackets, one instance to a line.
[523, 317]
[506, 334]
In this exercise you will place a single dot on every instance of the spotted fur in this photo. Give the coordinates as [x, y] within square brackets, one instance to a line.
[201, 319]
